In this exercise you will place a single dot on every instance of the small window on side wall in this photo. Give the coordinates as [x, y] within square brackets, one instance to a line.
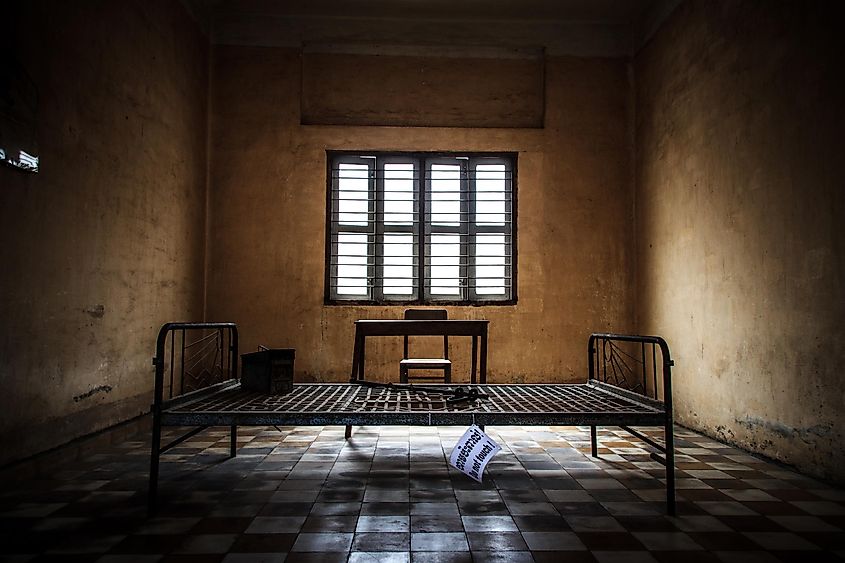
[421, 228]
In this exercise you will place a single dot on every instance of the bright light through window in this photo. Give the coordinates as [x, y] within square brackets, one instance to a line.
[421, 228]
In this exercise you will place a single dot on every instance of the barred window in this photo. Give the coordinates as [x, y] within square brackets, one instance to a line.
[421, 228]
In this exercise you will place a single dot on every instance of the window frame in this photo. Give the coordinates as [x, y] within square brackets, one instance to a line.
[422, 229]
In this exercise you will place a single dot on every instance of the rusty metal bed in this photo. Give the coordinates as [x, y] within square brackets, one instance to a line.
[616, 362]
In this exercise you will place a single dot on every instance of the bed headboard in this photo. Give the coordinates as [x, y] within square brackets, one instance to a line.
[639, 364]
[194, 356]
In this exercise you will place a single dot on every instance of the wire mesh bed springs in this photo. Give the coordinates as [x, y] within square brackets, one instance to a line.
[196, 384]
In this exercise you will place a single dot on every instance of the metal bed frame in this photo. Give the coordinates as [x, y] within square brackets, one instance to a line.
[628, 385]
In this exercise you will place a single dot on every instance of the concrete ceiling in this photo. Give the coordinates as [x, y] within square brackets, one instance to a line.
[580, 27]
[593, 11]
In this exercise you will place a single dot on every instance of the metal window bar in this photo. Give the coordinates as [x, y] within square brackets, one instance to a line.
[478, 177]
[367, 228]
[387, 190]
[377, 289]
[377, 222]
[453, 222]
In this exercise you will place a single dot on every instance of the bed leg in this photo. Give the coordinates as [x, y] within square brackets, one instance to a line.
[594, 446]
[348, 433]
[233, 441]
[670, 468]
[155, 454]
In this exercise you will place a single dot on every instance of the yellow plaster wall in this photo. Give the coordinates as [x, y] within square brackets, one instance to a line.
[106, 242]
[740, 209]
[268, 215]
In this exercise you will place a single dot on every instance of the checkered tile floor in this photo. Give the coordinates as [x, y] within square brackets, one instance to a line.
[387, 494]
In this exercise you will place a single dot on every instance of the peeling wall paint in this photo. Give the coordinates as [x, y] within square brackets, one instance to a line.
[96, 390]
[807, 435]
[96, 312]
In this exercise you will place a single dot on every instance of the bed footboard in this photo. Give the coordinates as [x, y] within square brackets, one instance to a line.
[641, 365]
[190, 357]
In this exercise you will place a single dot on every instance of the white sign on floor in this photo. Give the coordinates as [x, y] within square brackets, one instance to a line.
[473, 451]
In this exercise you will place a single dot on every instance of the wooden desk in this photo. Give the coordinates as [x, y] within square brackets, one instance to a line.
[477, 329]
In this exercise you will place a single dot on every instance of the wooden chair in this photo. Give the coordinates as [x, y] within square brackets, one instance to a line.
[426, 363]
